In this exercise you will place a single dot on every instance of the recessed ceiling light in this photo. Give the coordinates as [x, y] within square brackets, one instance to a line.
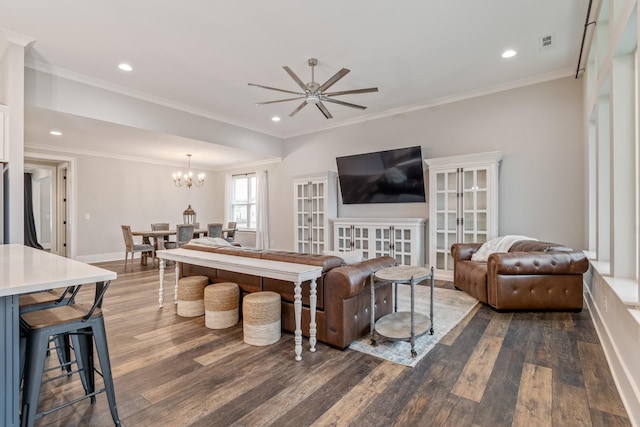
[275, 118]
[125, 67]
[509, 53]
[55, 133]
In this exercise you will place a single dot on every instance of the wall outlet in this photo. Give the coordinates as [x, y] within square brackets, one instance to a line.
[87, 216]
[605, 303]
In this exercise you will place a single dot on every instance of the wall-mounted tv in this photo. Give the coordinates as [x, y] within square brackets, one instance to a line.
[392, 176]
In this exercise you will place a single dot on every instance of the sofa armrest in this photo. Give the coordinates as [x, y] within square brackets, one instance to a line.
[349, 280]
[531, 263]
[463, 251]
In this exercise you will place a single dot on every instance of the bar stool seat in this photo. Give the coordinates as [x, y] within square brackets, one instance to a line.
[85, 324]
[261, 324]
[191, 295]
[221, 304]
[41, 301]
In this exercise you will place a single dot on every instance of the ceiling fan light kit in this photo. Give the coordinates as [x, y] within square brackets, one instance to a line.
[314, 93]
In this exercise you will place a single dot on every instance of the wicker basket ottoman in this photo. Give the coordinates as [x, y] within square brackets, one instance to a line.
[221, 303]
[191, 295]
[261, 318]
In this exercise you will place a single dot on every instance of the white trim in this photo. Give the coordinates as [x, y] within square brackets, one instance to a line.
[145, 159]
[613, 335]
[113, 256]
[90, 81]
[541, 78]
[72, 177]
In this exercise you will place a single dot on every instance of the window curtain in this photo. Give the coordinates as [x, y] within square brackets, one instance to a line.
[228, 198]
[30, 237]
[262, 211]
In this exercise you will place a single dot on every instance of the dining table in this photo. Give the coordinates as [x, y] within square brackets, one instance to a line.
[23, 270]
[156, 237]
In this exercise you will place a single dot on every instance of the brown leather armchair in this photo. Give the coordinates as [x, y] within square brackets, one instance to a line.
[533, 275]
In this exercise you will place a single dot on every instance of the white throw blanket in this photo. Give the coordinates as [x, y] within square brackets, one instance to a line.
[499, 244]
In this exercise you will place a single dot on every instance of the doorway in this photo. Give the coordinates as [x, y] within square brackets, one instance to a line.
[51, 201]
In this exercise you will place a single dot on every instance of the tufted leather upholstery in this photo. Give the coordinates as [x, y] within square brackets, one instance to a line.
[533, 275]
[344, 300]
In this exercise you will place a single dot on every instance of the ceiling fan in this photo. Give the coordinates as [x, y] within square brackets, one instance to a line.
[314, 93]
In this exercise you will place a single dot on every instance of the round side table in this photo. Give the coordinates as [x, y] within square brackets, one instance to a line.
[401, 325]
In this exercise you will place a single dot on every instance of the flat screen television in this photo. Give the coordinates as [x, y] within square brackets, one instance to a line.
[392, 176]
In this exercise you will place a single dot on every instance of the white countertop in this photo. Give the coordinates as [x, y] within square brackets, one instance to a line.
[24, 269]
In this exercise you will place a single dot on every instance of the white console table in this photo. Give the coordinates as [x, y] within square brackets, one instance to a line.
[291, 272]
[22, 270]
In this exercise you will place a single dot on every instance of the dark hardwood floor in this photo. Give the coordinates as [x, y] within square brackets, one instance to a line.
[494, 369]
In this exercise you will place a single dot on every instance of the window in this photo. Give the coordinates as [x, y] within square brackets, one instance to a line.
[243, 201]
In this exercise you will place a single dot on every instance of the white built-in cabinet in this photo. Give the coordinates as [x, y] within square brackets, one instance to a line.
[315, 202]
[401, 238]
[463, 205]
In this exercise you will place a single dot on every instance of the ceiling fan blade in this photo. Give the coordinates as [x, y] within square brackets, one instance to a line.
[346, 104]
[300, 107]
[337, 76]
[279, 100]
[295, 77]
[275, 88]
[348, 92]
[324, 110]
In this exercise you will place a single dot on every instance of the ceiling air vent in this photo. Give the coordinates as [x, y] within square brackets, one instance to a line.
[546, 42]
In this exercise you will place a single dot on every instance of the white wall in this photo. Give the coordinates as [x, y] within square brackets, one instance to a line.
[537, 128]
[116, 192]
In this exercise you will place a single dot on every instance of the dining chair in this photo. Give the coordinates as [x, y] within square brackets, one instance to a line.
[168, 244]
[231, 232]
[131, 247]
[214, 229]
[184, 234]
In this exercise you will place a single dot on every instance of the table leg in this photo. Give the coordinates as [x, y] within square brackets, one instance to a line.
[413, 324]
[175, 289]
[161, 290]
[297, 307]
[312, 308]
[373, 311]
[432, 286]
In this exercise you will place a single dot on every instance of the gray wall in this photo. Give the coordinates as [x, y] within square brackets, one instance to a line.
[537, 128]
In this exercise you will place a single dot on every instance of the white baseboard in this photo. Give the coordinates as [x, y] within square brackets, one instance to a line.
[115, 256]
[610, 337]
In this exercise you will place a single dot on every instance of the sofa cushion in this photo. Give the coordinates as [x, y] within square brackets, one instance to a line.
[327, 262]
[349, 257]
[499, 244]
[534, 245]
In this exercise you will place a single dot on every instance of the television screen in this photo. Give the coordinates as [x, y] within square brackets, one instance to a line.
[392, 176]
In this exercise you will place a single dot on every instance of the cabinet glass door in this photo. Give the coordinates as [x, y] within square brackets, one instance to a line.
[402, 246]
[360, 240]
[474, 205]
[446, 218]
[302, 217]
[316, 214]
[343, 238]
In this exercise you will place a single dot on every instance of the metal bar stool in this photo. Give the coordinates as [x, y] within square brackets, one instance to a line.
[85, 324]
[41, 301]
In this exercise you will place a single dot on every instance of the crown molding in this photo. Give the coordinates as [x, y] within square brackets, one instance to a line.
[177, 164]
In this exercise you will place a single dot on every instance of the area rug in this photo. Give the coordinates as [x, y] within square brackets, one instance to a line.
[449, 307]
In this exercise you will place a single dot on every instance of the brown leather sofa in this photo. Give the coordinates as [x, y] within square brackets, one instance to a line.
[533, 275]
[343, 291]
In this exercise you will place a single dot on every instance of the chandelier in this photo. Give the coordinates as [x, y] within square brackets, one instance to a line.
[187, 179]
